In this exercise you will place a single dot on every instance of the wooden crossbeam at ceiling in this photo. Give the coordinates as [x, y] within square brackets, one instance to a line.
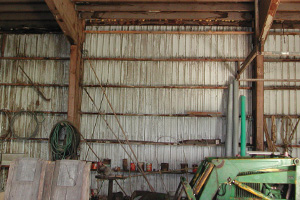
[67, 18]
[236, 16]
[179, 7]
[184, 1]
[268, 9]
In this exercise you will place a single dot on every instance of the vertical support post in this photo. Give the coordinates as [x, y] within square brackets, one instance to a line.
[259, 104]
[75, 77]
[258, 89]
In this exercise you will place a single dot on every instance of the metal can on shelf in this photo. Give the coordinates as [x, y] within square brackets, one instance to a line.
[132, 167]
[149, 167]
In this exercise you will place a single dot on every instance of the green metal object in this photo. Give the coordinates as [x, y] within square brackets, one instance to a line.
[251, 190]
[245, 178]
[187, 188]
[243, 126]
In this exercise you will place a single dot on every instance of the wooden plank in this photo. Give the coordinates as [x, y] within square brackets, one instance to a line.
[75, 76]
[155, 1]
[236, 16]
[247, 61]
[67, 18]
[48, 180]
[286, 24]
[180, 7]
[7, 158]
[21, 1]
[290, 16]
[259, 104]
[174, 22]
[182, 1]
[288, 7]
[267, 11]
[175, 32]
[41, 7]
[26, 17]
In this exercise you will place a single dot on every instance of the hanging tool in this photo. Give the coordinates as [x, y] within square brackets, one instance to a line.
[33, 85]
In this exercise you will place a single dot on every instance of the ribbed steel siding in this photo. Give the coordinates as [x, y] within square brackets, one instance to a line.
[284, 102]
[160, 101]
[26, 98]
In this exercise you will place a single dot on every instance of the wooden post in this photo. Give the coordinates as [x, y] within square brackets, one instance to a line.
[258, 89]
[258, 104]
[75, 92]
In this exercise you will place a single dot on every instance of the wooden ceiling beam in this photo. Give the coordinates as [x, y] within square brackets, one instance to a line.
[67, 18]
[26, 16]
[173, 1]
[166, 7]
[235, 16]
[267, 11]
[40, 7]
[179, 7]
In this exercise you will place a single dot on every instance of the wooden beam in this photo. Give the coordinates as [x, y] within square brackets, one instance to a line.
[171, 1]
[26, 16]
[175, 32]
[235, 16]
[267, 11]
[288, 7]
[75, 93]
[67, 18]
[167, 7]
[21, 1]
[258, 88]
[38, 7]
[287, 16]
[247, 61]
[174, 22]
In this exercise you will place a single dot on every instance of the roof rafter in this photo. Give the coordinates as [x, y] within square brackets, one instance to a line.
[67, 18]
[268, 9]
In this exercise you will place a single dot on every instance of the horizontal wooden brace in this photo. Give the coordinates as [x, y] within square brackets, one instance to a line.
[229, 16]
[174, 32]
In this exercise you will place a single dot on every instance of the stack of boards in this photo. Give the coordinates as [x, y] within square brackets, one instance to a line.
[36, 179]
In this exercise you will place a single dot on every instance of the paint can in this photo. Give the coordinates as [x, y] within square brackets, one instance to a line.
[164, 166]
[141, 165]
[149, 167]
[132, 167]
[195, 168]
[94, 166]
[125, 165]
[184, 167]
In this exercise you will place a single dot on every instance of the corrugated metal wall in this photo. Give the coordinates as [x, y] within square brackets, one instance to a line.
[283, 102]
[17, 98]
[160, 100]
[141, 100]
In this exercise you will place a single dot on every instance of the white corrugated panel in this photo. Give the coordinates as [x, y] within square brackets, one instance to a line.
[283, 102]
[160, 100]
[17, 98]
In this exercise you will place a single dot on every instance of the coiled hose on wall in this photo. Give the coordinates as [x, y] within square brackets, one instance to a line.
[64, 141]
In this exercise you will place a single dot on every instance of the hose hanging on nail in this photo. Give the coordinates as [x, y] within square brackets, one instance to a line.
[64, 141]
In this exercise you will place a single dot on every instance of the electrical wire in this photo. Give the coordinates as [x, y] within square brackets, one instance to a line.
[5, 133]
[33, 117]
[64, 141]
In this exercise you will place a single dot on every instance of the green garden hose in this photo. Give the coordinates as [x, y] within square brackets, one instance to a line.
[64, 141]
